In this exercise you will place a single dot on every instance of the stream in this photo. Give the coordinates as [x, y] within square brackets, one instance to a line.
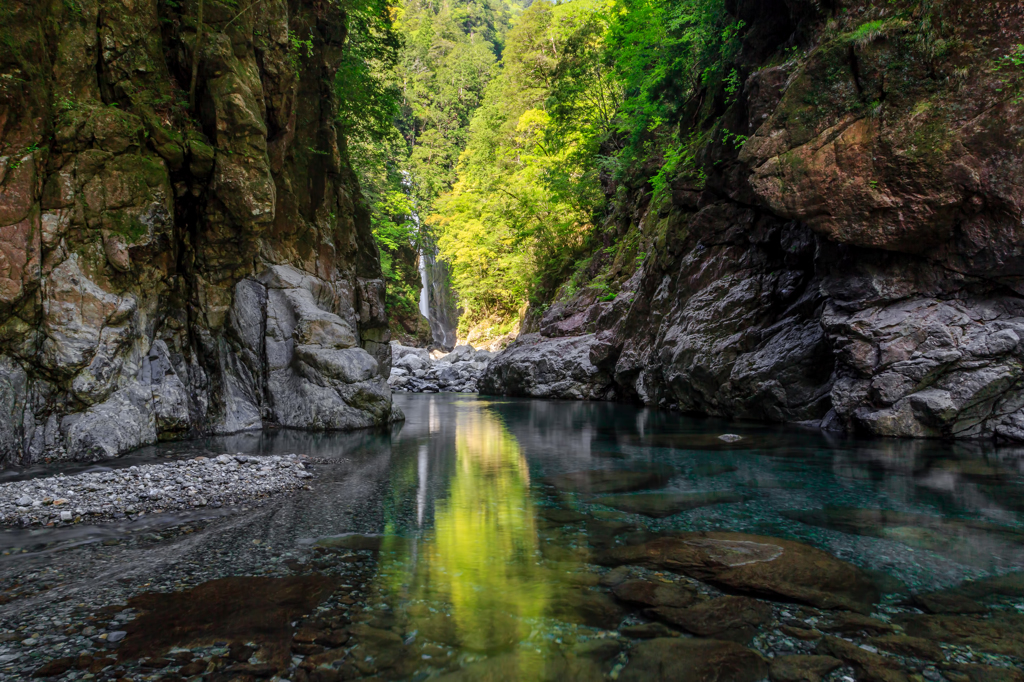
[489, 538]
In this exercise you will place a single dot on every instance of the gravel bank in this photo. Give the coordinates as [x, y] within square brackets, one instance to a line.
[137, 490]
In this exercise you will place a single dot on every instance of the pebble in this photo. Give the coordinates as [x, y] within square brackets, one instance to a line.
[137, 490]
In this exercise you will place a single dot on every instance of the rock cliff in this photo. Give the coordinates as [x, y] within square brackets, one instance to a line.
[168, 270]
[850, 255]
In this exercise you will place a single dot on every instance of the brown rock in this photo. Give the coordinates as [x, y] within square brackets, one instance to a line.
[801, 668]
[587, 607]
[58, 666]
[984, 673]
[661, 505]
[241, 608]
[612, 481]
[647, 631]
[650, 593]
[732, 618]
[1002, 633]
[947, 603]
[853, 623]
[806, 634]
[332, 638]
[693, 660]
[760, 565]
[868, 666]
[194, 668]
[904, 645]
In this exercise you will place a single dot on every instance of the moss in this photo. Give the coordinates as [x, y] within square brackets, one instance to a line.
[126, 225]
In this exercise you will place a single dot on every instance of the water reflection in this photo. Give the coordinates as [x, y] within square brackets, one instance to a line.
[478, 560]
[481, 525]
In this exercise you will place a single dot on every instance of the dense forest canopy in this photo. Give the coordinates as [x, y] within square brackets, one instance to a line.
[507, 136]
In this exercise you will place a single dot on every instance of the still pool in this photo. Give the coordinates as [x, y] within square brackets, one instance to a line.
[501, 539]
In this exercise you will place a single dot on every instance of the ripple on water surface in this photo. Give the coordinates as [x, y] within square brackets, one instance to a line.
[506, 539]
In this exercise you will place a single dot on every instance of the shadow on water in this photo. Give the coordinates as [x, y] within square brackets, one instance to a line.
[508, 539]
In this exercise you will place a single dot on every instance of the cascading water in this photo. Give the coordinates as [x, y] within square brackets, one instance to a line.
[437, 301]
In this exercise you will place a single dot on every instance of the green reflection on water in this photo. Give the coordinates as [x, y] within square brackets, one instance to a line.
[480, 556]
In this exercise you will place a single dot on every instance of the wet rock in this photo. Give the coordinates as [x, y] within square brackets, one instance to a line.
[754, 564]
[904, 645]
[495, 632]
[947, 603]
[599, 650]
[352, 541]
[963, 540]
[1009, 585]
[854, 623]
[732, 618]
[693, 660]
[647, 631]
[1002, 633]
[58, 666]
[612, 481]
[587, 607]
[801, 668]
[975, 672]
[660, 505]
[254, 609]
[526, 665]
[649, 593]
[868, 666]
[562, 516]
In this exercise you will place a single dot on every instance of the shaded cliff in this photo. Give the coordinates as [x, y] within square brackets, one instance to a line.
[165, 273]
[849, 252]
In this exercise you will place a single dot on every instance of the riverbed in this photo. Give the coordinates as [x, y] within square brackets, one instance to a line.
[507, 539]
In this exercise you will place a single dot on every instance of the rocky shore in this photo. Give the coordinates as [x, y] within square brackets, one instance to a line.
[139, 490]
[417, 370]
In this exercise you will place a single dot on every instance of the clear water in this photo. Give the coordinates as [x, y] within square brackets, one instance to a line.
[470, 529]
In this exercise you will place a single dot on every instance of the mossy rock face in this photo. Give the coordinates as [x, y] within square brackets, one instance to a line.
[117, 189]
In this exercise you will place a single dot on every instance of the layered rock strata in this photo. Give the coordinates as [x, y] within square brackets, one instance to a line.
[853, 256]
[168, 271]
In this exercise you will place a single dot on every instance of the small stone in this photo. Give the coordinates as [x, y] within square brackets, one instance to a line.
[116, 636]
[730, 437]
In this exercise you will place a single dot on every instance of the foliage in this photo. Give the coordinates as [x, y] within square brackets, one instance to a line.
[522, 211]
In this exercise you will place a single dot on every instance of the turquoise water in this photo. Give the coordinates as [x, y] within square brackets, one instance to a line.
[476, 534]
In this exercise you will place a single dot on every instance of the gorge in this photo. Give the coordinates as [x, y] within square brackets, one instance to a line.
[512, 340]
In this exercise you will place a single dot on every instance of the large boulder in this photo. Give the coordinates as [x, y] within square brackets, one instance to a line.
[538, 367]
[755, 565]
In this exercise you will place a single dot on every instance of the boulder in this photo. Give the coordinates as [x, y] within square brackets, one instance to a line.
[732, 618]
[757, 565]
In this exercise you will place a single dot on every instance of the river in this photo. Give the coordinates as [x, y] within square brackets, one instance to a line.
[489, 538]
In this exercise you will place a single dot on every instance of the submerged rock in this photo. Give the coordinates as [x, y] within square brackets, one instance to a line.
[801, 668]
[764, 566]
[254, 609]
[732, 618]
[693, 660]
[660, 505]
[649, 593]
[597, 481]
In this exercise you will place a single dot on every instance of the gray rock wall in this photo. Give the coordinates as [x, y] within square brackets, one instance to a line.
[853, 259]
[168, 271]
